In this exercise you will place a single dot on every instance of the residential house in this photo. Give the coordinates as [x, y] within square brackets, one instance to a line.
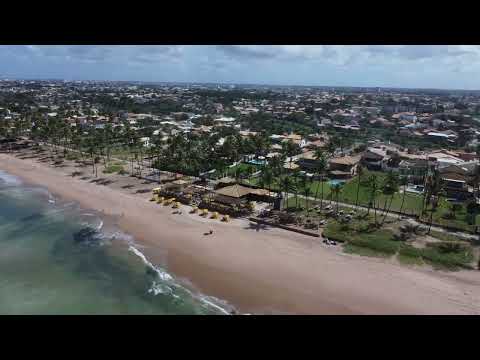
[343, 167]
[307, 161]
[444, 158]
[374, 157]
[455, 185]
[296, 139]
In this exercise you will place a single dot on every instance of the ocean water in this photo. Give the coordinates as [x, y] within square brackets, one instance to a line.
[56, 258]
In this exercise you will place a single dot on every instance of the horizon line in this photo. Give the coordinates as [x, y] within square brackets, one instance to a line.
[7, 78]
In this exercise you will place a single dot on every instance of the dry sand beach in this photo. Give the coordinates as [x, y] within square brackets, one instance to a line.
[265, 271]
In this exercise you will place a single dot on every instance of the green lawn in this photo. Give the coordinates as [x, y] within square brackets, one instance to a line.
[461, 217]
[315, 186]
[412, 203]
[411, 206]
[242, 169]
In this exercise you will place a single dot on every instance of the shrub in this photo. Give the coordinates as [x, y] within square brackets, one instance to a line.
[447, 256]
[410, 251]
[112, 169]
[383, 246]
[71, 156]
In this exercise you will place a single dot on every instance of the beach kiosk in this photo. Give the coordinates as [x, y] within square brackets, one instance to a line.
[155, 192]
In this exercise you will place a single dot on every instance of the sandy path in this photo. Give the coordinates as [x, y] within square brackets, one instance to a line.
[269, 271]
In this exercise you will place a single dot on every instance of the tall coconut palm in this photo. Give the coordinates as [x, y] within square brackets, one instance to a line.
[287, 185]
[389, 189]
[321, 166]
[435, 190]
[359, 180]
[336, 190]
[371, 183]
[296, 186]
[403, 182]
[267, 177]
[306, 193]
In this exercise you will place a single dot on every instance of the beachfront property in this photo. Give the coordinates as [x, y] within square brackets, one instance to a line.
[343, 167]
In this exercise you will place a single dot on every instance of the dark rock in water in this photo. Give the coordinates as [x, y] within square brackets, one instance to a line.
[32, 217]
[85, 235]
[151, 271]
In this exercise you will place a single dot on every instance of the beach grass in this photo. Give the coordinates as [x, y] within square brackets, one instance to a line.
[445, 255]
[378, 242]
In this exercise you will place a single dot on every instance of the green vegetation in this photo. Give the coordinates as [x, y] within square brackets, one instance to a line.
[409, 255]
[450, 256]
[358, 239]
[241, 170]
[113, 168]
[379, 242]
[72, 156]
[461, 220]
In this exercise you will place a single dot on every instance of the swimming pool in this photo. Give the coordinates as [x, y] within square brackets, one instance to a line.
[256, 162]
[335, 182]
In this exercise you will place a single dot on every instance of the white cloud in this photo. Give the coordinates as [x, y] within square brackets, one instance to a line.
[390, 65]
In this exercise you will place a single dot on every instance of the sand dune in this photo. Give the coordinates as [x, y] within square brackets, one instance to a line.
[266, 271]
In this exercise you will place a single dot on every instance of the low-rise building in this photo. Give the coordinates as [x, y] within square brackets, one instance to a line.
[343, 167]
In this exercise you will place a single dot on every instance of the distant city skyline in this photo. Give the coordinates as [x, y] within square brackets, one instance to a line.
[447, 67]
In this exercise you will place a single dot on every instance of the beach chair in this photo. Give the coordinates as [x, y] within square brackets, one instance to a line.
[214, 215]
[226, 218]
[160, 199]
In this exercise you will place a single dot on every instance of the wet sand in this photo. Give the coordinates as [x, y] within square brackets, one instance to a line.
[265, 271]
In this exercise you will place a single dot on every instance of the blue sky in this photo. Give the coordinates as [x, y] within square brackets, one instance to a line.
[418, 66]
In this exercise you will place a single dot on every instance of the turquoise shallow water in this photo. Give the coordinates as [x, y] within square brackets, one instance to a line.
[56, 258]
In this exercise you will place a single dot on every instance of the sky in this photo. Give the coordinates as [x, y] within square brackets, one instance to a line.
[407, 66]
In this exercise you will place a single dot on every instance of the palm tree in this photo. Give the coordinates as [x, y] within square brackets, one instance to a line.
[295, 177]
[371, 183]
[359, 179]
[267, 177]
[306, 193]
[389, 188]
[403, 182]
[331, 146]
[287, 186]
[434, 192]
[336, 190]
[90, 142]
[321, 166]
[303, 183]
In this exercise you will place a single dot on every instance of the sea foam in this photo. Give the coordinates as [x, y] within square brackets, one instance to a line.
[159, 288]
[8, 179]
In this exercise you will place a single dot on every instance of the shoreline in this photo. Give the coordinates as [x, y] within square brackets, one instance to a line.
[266, 271]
